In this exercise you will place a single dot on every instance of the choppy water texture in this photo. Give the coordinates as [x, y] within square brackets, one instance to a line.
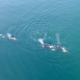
[29, 20]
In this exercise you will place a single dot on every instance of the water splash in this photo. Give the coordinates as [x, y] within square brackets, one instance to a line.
[57, 37]
[1, 34]
[41, 41]
[11, 37]
[45, 36]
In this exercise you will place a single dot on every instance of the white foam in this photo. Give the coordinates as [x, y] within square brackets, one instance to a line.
[53, 49]
[0, 34]
[64, 50]
[12, 38]
[3, 36]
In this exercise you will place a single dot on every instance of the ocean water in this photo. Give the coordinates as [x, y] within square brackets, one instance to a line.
[28, 20]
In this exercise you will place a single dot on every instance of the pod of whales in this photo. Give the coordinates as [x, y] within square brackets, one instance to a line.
[41, 41]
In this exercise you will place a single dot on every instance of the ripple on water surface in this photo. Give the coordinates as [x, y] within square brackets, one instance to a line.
[28, 22]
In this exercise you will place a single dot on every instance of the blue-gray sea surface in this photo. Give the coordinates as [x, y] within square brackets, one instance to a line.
[29, 20]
